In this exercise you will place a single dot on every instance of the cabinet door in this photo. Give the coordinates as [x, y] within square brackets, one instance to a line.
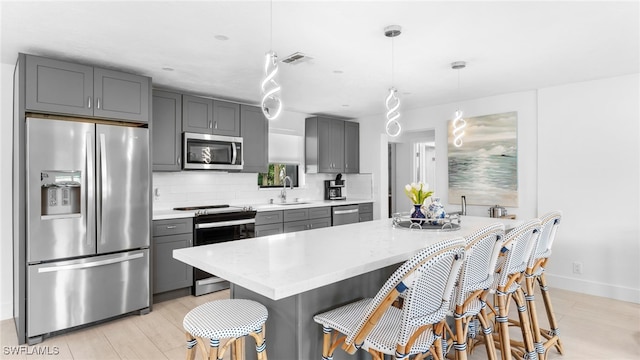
[351, 147]
[166, 131]
[254, 129]
[325, 164]
[294, 226]
[226, 118]
[197, 114]
[58, 87]
[169, 273]
[268, 229]
[336, 139]
[319, 223]
[121, 95]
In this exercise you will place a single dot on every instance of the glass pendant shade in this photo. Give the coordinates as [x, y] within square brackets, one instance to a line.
[458, 128]
[392, 104]
[271, 104]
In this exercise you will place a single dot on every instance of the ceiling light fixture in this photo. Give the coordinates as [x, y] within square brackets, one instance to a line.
[271, 104]
[458, 122]
[392, 102]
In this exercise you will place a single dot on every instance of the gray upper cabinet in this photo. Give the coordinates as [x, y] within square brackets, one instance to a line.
[331, 146]
[208, 116]
[61, 87]
[351, 147]
[120, 95]
[166, 131]
[254, 129]
[197, 114]
[226, 118]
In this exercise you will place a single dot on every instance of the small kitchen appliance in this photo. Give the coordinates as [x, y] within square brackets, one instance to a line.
[497, 211]
[335, 189]
[211, 152]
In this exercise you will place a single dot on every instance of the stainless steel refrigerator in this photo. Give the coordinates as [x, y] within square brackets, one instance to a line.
[88, 214]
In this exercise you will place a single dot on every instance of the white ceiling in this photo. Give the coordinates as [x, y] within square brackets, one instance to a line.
[509, 46]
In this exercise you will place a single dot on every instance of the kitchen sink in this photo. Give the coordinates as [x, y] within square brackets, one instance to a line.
[292, 203]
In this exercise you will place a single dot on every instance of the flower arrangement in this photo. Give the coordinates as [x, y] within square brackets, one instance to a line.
[418, 192]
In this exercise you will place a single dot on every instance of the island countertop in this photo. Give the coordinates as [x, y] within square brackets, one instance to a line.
[279, 266]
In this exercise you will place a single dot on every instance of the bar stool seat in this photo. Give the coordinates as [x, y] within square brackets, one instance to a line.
[228, 318]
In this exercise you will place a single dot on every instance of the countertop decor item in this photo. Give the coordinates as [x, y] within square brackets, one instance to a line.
[435, 211]
[418, 192]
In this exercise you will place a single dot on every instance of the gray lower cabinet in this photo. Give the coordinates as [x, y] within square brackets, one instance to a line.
[61, 87]
[208, 116]
[269, 223]
[366, 211]
[254, 129]
[307, 219]
[166, 131]
[169, 273]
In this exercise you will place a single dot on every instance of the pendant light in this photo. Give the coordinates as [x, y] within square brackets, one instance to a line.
[392, 102]
[458, 122]
[271, 103]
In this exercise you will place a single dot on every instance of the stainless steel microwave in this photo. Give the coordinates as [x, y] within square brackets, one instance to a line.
[211, 152]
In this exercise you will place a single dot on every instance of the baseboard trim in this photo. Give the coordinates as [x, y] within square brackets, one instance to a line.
[594, 288]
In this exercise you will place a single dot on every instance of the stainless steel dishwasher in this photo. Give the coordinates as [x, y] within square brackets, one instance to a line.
[345, 214]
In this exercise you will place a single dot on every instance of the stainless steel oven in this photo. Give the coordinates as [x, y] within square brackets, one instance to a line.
[211, 152]
[215, 224]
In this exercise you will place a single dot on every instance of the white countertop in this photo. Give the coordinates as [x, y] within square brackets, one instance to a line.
[283, 265]
[174, 214]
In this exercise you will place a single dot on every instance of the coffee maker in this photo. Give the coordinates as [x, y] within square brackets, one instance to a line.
[335, 189]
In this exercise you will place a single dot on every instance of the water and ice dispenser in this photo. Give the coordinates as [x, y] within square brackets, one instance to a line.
[60, 193]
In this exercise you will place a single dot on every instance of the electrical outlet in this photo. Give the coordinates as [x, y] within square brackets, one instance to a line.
[577, 268]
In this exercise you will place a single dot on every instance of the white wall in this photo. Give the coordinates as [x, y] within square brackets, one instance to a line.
[6, 218]
[577, 152]
[588, 167]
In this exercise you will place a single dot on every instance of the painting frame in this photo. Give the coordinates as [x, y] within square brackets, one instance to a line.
[484, 168]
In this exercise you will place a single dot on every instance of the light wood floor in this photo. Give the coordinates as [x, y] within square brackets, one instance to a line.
[591, 328]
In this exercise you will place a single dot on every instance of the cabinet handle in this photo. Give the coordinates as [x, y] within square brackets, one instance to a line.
[210, 124]
[216, 125]
[98, 103]
[171, 227]
[179, 161]
[89, 102]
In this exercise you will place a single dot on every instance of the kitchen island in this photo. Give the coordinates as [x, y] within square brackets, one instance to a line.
[297, 275]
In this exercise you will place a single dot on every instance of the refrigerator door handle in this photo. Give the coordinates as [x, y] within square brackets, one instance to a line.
[101, 195]
[90, 264]
[89, 191]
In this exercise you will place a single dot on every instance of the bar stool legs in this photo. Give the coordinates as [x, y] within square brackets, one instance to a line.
[551, 336]
[235, 345]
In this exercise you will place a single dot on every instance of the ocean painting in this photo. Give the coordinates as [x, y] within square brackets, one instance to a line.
[485, 167]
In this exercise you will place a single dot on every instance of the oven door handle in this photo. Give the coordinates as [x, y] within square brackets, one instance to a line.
[225, 223]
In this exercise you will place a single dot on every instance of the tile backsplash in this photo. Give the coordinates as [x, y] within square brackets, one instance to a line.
[191, 188]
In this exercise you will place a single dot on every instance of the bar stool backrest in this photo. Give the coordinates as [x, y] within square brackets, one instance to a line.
[520, 242]
[427, 279]
[481, 255]
[549, 222]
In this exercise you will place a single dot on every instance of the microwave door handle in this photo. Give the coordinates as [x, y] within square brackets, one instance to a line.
[235, 153]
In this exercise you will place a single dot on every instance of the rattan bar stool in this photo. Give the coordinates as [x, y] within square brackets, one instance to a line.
[427, 279]
[535, 272]
[518, 246]
[231, 319]
[477, 275]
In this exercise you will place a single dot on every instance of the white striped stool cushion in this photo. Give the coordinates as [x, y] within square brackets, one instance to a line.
[229, 318]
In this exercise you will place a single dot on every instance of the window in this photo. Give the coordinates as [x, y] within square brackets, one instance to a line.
[276, 174]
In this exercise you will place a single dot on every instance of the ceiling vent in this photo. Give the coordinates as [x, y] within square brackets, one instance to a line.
[296, 58]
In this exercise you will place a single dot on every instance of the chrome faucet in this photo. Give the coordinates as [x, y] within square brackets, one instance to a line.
[283, 192]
